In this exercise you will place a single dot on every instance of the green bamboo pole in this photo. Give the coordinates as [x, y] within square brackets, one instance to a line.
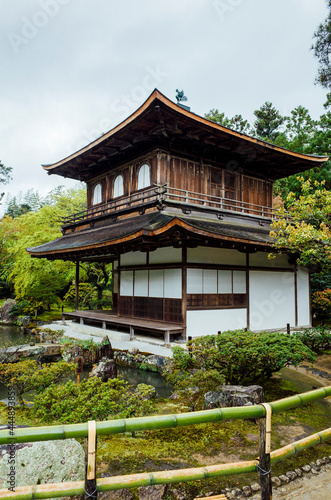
[130, 481]
[298, 446]
[159, 421]
[161, 477]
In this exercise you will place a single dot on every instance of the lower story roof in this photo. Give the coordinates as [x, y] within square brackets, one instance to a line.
[154, 228]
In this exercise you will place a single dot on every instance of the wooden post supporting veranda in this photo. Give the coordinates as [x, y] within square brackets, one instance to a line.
[264, 467]
[77, 286]
[91, 492]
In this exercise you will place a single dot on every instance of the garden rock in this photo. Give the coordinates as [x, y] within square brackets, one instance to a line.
[234, 395]
[39, 351]
[155, 362]
[43, 462]
[5, 310]
[116, 495]
[105, 370]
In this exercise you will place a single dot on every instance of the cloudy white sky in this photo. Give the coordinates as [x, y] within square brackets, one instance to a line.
[72, 69]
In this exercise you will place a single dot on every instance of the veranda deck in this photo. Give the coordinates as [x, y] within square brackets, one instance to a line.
[110, 318]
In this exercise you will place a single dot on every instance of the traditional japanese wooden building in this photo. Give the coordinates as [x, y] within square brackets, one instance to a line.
[182, 208]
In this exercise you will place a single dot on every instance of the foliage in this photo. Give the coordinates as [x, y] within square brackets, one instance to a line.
[29, 375]
[91, 400]
[320, 282]
[84, 295]
[5, 173]
[38, 279]
[322, 50]
[191, 386]
[247, 357]
[305, 227]
[26, 308]
[237, 122]
[321, 303]
[317, 339]
[181, 359]
[268, 122]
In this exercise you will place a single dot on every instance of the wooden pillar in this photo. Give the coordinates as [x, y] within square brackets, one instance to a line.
[77, 286]
[184, 291]
[247, 292]
[119, 285]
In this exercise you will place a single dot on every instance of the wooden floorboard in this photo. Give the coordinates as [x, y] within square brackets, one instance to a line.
[111, 318]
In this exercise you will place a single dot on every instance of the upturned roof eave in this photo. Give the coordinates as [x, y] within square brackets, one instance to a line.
[157, 95]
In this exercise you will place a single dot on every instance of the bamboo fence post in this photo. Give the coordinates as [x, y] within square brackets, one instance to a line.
[264, 454]
[91, 492]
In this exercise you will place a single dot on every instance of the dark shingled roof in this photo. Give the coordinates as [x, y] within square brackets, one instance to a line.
[152, 225]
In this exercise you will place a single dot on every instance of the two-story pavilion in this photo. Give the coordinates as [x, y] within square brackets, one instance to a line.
[182, 208]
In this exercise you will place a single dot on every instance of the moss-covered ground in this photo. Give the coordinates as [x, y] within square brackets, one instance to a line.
[207, 444]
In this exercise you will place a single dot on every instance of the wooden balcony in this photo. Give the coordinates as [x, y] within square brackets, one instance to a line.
[163, 196]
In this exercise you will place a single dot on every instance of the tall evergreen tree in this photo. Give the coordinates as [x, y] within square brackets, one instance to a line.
[268, 123]
[322, 50]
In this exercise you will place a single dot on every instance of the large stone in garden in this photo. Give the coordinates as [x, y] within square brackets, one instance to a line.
[19, 352]
[43, 462]
[234, 395]
[105, 370]
[5, 317]
[155, 362]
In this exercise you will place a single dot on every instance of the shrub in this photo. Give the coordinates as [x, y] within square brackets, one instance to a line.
[317, 339]
[91, 400]
[192, 386]
[321, 303]
[29, 375]
[244, 357]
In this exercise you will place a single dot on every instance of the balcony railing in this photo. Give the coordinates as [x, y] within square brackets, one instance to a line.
[164, 195]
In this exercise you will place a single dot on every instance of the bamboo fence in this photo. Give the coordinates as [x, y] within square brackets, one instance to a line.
[161, 422]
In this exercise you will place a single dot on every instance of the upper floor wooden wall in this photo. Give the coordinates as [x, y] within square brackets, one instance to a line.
[182, 174]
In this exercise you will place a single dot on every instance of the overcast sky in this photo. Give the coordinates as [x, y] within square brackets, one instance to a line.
[72, 69]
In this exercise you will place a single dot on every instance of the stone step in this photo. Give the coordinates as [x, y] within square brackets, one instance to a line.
[98, 332]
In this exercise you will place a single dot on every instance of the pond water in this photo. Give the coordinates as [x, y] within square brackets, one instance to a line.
[9, 335]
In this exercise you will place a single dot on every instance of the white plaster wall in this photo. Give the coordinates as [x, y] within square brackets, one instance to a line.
[224, 256]
[141, 283]
[303, 297]
[126, 284]
[260, 259]
[200, 323]
[271, 299]
[168, 255]
[133, 259]
[156, 283]
[173, 283]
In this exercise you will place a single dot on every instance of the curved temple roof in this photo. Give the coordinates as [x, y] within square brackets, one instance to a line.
[159, 123]
[155, 226]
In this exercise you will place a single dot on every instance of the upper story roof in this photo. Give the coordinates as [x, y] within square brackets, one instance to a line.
[161, 124]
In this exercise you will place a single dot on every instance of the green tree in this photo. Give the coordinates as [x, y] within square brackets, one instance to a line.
[28, 375]
[215, 116]
[237, 122]
[38, 279]
[268, 122]
[322, 50]
[304, 228]
[5, 176]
